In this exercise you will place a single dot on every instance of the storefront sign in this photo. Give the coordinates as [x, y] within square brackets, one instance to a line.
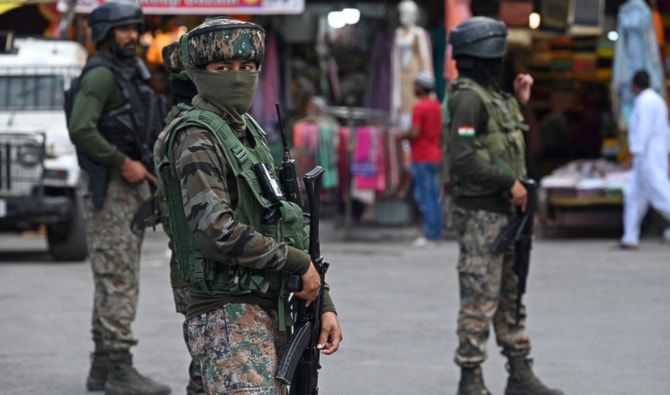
[202, 7]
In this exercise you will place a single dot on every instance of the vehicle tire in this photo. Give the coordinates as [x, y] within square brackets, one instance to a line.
[67, 240]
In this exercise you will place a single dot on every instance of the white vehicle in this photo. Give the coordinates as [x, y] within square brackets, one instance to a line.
[39, 172]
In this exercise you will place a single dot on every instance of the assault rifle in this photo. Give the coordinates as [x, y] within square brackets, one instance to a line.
[288, 171]
[299, 366]
[520, 232]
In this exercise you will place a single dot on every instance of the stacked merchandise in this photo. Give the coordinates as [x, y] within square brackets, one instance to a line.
[539, 65]
[583, 193]
[586, 178]
[584, 58]
[605, 56]
[562, 72]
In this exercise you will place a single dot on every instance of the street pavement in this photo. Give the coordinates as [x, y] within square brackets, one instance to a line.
[598, 318]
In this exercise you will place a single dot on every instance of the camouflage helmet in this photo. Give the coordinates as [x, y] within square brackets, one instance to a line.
[220, 39]
[112, 14]
[480, 37]
[172, 58]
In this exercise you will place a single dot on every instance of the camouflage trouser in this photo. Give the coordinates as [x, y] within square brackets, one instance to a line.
[182, 298]
[488, 288]
[114, 255]
[238, 346]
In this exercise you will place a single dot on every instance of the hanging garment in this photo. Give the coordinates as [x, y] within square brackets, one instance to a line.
[263, 106]
[636, 49]
[456, 11]
[327, 154]
[368, 159]
[378, 90]
[305, 145]
[315, 143]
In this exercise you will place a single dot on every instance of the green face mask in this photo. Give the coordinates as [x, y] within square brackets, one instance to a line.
[231, 93]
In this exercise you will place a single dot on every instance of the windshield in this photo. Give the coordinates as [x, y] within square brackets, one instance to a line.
[31, 92]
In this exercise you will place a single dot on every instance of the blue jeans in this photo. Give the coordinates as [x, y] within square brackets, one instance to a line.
[425, 183]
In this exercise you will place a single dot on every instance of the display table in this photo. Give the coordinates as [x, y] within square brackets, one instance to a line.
[584, 193]
[567, 201]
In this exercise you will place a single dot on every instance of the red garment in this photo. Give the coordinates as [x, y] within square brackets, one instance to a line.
[427, 146]
[455, 12]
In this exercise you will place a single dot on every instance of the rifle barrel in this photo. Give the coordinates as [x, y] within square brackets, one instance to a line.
[287, 154]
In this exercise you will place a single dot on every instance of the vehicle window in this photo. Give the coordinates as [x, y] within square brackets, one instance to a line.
[31, 92]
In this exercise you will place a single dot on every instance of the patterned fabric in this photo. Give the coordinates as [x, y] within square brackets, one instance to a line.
[172, 59]
[488, 289]
[114, 255]
[200, 158]
[238, 347]
[219, 39]
[181, 298]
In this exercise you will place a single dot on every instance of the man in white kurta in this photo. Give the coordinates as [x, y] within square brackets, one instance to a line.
[648, 136]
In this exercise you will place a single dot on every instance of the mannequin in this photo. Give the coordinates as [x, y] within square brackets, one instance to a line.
[411, 55]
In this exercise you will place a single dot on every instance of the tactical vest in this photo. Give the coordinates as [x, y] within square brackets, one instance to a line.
[134, 126]
[501, 144]
[221, 278]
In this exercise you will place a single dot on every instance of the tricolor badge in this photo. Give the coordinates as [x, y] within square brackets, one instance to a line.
[466, 131]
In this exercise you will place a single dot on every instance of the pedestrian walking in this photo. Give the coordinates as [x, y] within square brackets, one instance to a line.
[648, 138]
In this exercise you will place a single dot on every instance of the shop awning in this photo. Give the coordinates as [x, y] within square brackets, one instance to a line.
[202, 7]
[8, 5]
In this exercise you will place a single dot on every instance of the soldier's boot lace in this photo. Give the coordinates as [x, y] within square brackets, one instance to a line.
[472, 382]
[124, 379]
[522, 380]
[100, 367]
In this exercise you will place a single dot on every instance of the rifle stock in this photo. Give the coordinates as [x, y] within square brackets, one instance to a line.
[300, 364]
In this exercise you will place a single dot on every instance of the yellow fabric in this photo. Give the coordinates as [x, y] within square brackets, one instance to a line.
[5, 7]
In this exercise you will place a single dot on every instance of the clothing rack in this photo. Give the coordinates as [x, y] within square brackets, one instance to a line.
[351, 116]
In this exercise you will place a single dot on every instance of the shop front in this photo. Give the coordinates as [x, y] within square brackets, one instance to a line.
[346, 55]
[580, 60]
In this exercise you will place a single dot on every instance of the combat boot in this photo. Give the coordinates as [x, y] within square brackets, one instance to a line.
[522, 381]
[100, 367]
[472, 382]
[124, 379]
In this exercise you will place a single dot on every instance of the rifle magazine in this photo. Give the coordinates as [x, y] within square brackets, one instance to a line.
[293, 354]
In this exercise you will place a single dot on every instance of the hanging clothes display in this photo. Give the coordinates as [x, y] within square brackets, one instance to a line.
[636, 49]
[378, 90]
[315, 143]
[368, 162]
[263, 105]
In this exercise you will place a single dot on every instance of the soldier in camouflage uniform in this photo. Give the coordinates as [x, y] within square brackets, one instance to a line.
[182, 91]
[111, 159]
[486, 158]
[234, 255]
